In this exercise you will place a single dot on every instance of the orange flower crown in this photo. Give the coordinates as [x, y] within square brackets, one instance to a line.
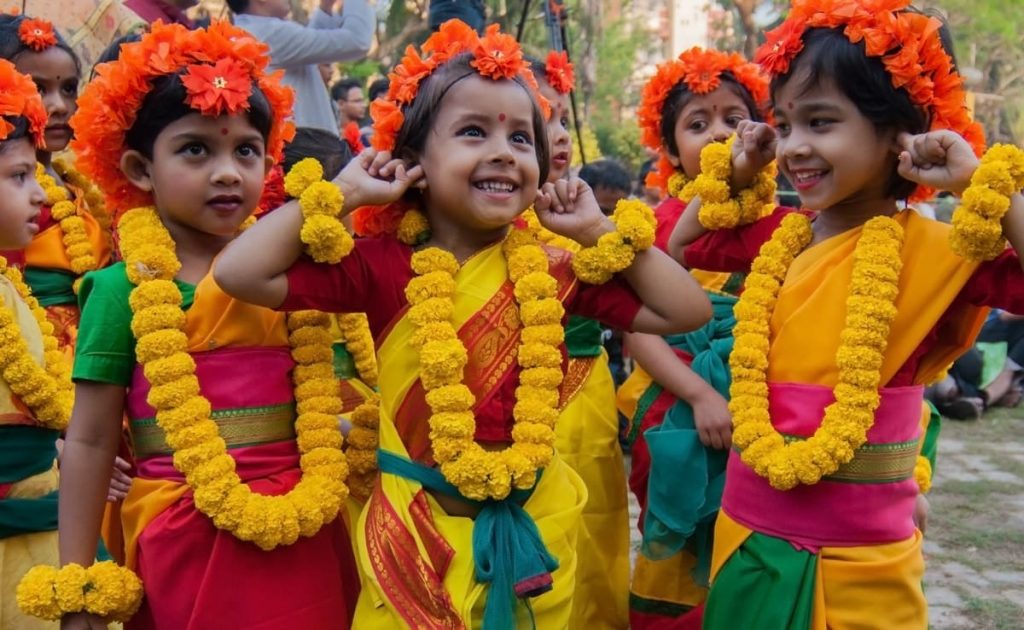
[701, 70]
[910, 48]
[218, 67]
[559, 73]
[37, 34]
[496, 56]
[19, 97]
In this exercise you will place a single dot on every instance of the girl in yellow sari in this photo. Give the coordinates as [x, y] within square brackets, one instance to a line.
[474, 518]
[851, 306]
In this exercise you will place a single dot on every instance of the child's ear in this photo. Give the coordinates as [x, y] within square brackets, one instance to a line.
[136, 168]
[268, 164]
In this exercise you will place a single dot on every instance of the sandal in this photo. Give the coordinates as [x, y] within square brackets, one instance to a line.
[968, 409]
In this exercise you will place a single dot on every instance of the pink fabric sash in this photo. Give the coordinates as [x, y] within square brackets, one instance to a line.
[830, 513]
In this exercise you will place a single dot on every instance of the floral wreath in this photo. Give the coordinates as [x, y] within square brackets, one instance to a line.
[20, 99]
[910, 48]
[496, 56]
[701, 70]
[37, 34]
[559, 72]
[219, 66]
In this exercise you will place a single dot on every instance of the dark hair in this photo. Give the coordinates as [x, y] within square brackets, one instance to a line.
[238, 6]
[113, 51]
[421, 114]
[165, 104]
[377, 88]
[339, 91]
[11, 45]
[537, 67]
[607, 173]
[680, 95]
[332, 152]
[828, 55]
[19, 132]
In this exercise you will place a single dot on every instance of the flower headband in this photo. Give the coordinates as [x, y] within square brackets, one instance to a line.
[558, 72]
[19, 97]
[37, 34]
[218, 66]
[910, 48]
[701, 70]
[496, 56]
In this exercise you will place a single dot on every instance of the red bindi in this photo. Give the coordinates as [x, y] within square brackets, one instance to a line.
[223, 131]
[789, 105]
[501, 117]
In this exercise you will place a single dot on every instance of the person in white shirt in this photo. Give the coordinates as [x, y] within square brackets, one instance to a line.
[329, 38]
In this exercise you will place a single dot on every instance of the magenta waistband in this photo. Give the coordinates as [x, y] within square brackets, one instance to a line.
[251, 463]
[830, 513]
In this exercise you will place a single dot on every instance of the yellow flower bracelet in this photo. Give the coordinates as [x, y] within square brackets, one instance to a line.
[103, 589]
[323, 233]
[616, 250]
[923, 474]
[719, 208]
[977, 223]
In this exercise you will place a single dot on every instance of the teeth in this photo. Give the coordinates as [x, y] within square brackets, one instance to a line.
[806, 175]
[495, 187]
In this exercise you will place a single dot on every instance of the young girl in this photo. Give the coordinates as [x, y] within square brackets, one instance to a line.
[71, 241]
[233, 518]
[849, 309]
[35, 388]
[586, 436]
[680, 423]
[480, 505]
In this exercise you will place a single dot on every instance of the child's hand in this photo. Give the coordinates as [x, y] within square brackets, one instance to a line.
[376, 179]
[713, 420]
[753, 150]
[120, 481]
[938, 159]
[568, 208]
[921, 513]
[82, 621]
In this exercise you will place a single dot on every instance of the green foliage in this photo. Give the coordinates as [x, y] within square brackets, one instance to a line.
[622, 142]
[591, 147]
[364, 70]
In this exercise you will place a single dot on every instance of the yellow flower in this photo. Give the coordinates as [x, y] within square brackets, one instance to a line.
[977, 232]
[321, 198]
[413, 228]
[301, 176]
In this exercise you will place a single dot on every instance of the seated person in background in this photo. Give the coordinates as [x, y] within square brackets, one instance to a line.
[609, 180]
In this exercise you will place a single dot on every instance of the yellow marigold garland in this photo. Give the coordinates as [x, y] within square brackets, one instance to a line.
[414, 228]
[104, 589]
[477, 473]
[545, 235]
[184, 414]
[76, 240]
[46, 390]
[325, 236]
[923, 474]
[719, 209]
[362, 442]
[94, 199]
[977, 232]
[874, 286]
[616, 250]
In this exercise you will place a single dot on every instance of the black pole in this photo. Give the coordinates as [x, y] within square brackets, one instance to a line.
[522, 20]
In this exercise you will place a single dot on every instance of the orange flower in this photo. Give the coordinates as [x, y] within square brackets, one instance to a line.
[703, 69]
[407, 76]
[219, 89]
[498, 55]
[351, 136]
[780, 47]
[273, 195]
[373, 221]
[454, 37]
[559, 72]
[37, 34]
[387, 122]
[19, 97]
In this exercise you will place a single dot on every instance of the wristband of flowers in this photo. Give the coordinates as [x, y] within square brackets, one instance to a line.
[325, 236]
[719, 208]
[184, 415]
[94, 199]
[545, 235]
[977, 223]
[477, 473]
[103, 589]
[923, 474]
[874, 286]
[615, 251]
[64, 211]
[46, 390]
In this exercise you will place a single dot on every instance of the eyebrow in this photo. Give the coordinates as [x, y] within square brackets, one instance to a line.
[476, 117]
[812, 107]
[193, 135]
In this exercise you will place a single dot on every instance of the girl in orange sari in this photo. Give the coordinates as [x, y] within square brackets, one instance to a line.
[852, 305]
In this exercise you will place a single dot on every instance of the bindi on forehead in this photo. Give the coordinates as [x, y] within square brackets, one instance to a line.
[223, 131]
[501, 117]
[789, 105]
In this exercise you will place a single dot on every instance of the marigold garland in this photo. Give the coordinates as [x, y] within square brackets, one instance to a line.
[477, 473]
[325, 236]
[977, 232]
[719, 209]
[46, 390]
[909, 45]
[616, 250]
[363, 440]
[874, 286]
[923, 474]
[355, 332]
[72, 227]
[184, 414]
[94, 200]
[103, 589]
[545, 235]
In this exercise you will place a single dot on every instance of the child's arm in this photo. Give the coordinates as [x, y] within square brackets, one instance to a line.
[89, 450]
[673, 301]
[710, 409]
[252, 267]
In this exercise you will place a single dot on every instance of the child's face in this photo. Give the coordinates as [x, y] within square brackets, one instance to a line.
[56, 76]
[206, 174]
[558, 132]
[607, 197]
[706, 118]
[20, 194]
[827, 149]
[480, 162]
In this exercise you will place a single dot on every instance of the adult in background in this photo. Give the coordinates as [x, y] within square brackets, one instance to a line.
[297, 49]
[170, 11]
[348, 94]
